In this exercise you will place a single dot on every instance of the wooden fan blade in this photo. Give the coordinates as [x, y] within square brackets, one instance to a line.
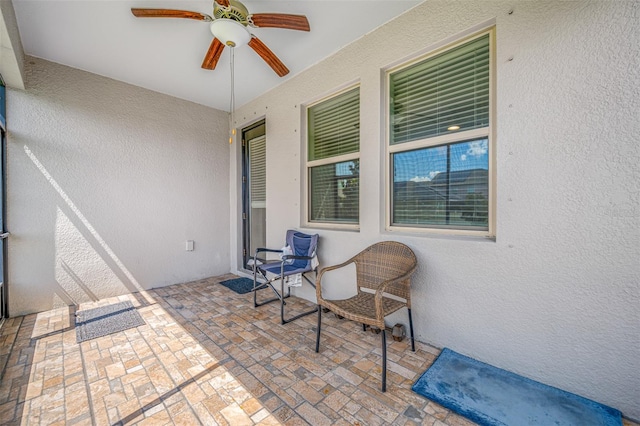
[169, 13]
[279, 20]
[213, 54]
[224, 3]
[269, 57]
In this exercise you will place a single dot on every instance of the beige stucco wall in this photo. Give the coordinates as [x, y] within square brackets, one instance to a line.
[556, 297]
[106, 182]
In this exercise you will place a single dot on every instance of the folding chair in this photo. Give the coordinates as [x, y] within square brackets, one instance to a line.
[301, 261]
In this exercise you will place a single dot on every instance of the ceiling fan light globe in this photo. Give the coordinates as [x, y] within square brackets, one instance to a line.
[230, 32]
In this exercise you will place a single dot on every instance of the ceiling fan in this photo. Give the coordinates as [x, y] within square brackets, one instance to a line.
[229, 26]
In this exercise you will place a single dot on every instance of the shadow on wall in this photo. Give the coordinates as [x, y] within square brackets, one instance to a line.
[86, 269]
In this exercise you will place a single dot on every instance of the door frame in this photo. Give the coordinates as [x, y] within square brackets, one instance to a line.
[4, 288]
[249, 132]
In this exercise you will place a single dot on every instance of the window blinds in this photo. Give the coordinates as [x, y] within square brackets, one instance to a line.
[335, 192]
[334, 126]
[450, 89]
[258, 171]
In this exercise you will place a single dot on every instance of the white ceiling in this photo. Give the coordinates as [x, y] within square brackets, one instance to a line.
[165, 54]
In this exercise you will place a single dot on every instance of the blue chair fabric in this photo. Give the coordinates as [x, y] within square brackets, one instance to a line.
[304, 248]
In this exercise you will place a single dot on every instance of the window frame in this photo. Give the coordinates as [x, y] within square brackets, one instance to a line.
[307, 164]
[440, 140]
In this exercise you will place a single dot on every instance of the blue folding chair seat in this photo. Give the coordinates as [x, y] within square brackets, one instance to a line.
[303, 247]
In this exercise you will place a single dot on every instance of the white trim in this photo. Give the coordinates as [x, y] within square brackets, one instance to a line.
[334, 160]
[306, 164]
[441, 140]
[334, 226]
[485, 132]
[493, 115]
[441, 231]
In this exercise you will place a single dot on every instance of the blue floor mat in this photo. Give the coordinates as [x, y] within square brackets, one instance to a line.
[239, 285]
[492, 396]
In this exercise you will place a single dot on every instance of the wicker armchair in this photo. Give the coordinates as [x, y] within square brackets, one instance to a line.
[382, 269]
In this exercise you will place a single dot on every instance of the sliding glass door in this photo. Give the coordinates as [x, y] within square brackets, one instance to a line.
[4, 312]
[254, 190]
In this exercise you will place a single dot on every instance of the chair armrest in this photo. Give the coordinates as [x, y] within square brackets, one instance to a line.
[265, 250]
[382, 289]
[261, 249]
[396, 280]
[291, 257]
[322, 272]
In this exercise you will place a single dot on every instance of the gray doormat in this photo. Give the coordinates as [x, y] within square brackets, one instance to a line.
[105, 320]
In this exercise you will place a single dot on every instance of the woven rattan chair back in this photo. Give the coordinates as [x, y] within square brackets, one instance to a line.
[384, 261]
[382, 269]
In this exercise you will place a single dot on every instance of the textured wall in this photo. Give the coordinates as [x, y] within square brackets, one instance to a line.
[106, 182]
[556, 297]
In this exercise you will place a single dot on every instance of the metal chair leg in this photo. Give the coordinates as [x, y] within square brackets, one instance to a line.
[280, 295]
[413, 343]
[286, 321]
[268, 283]
[255, 281]
[282, 300]
[318, 329]
[384, 360]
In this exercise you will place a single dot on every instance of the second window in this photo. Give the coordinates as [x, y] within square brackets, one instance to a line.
[333, 165]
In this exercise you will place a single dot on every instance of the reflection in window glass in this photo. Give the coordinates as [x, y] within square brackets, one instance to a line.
[442, 186]
[335, 192]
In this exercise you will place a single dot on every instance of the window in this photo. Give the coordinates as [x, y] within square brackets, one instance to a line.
[333, 164]
[440, 143]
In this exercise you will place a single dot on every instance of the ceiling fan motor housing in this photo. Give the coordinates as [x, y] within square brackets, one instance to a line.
[236, 11]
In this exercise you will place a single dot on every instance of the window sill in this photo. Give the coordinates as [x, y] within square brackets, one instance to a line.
[449, 234]
[332, 226]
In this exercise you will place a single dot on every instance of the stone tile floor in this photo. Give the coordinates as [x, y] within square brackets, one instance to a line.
[206, 356]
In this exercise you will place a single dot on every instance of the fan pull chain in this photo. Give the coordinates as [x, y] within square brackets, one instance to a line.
[232, 102]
